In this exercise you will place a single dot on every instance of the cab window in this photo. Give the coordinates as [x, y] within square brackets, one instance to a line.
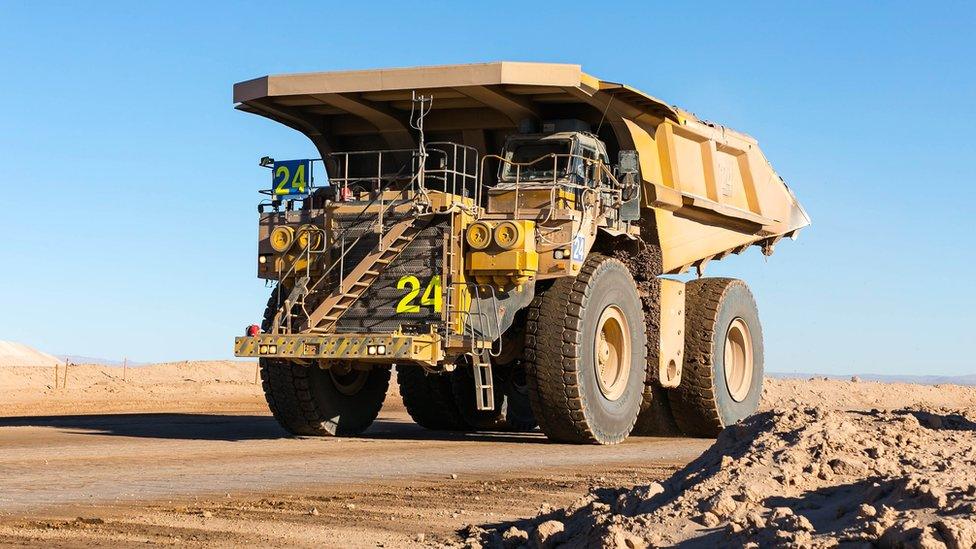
[537, 160]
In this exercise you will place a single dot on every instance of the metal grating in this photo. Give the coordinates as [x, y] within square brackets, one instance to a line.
[375, 310]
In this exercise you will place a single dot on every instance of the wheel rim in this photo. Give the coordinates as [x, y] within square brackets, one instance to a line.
[612, 353]
[346, 379]
[738, 363]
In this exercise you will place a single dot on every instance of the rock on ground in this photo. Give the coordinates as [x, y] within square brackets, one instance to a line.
[803, 477]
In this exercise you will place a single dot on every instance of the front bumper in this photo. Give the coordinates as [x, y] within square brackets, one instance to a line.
[423, 348]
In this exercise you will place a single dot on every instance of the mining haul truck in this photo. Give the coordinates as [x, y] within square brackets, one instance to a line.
[500, 236]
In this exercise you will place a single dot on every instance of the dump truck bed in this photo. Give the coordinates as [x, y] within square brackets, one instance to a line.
[710, 189]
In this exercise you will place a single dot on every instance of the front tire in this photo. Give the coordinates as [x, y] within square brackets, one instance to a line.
[586, 354]
[722, 376]
[311, 401]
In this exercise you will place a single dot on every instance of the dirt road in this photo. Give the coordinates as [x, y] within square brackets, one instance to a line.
[186, 453]
[205, 475]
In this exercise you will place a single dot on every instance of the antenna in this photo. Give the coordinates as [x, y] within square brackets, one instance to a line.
[604, 117]
[420, 106]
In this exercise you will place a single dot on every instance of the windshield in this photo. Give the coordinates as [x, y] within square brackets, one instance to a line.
[529, 152]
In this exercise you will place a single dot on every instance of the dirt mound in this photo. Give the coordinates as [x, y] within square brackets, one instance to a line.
[804, 477]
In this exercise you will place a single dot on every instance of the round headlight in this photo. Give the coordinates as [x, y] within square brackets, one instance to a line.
[478, 235]
[508, 235]
[309, 237]
[282, 238]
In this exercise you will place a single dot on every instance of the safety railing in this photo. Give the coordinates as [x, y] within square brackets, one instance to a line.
[443, 166]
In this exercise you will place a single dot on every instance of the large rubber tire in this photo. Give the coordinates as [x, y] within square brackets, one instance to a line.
[309, 401]
[429, 399]
[512, 412]
[562, 366]
[703, 403]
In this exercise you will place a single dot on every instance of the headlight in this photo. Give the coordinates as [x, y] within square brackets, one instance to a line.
[309, 237]
[508, 235]
[282, 238]
[478, 235]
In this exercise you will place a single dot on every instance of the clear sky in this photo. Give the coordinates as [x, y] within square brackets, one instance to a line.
[130, 181]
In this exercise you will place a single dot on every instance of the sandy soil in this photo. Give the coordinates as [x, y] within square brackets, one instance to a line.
[790, 478]
[863, 395]
[207, 386]
[165, 478]
[89, 388]
[186, 453]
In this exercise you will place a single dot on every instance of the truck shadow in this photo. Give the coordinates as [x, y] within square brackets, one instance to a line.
[234, 428]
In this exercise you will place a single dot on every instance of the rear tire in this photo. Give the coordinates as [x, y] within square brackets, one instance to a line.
[429, 399]
[586, 354]
[722, 376]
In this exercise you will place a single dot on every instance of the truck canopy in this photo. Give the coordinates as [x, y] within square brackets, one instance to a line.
[371, 108]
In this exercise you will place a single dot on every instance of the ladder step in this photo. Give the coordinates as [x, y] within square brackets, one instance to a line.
[484, 389]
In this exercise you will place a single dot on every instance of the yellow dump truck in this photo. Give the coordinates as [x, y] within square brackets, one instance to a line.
[501, 234]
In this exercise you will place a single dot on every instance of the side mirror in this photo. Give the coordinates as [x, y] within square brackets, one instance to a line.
[628, 163]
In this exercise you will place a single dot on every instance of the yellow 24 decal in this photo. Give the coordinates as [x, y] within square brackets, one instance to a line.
[289, 184]
[431, 296]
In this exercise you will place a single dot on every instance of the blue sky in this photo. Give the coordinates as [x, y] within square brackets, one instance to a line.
[130, 180]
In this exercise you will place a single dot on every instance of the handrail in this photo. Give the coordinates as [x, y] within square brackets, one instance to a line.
[557, 177]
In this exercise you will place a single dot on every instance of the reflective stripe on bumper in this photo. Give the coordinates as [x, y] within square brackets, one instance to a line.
[424, 348]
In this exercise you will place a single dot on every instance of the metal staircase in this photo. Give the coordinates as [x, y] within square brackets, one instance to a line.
[362, 276]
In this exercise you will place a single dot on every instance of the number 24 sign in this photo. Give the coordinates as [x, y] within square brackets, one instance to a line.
[291, 177]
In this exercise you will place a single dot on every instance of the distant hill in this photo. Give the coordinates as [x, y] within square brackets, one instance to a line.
[923, 380]
[18, 354]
